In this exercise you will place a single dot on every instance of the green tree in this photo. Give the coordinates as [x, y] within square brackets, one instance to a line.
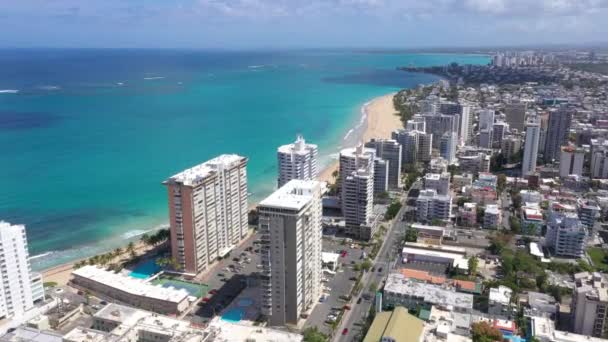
[366, 265]
[313, 334]
[484, 332]
[501, 183]
[516, 199]
[392, 210]
[515, 224]
[473, 264]
[411, 235]
[373, 286]
[130, 247]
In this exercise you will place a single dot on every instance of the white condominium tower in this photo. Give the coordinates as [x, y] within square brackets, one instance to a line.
[291, 234]
[18, 291]
[357, 190]
[207, 211]
[297, 161]
[528, 165]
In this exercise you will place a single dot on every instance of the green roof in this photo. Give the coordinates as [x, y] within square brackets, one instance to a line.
[424, 314]
[398, 324]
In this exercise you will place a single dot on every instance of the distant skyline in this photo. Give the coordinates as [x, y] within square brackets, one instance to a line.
[246, 24]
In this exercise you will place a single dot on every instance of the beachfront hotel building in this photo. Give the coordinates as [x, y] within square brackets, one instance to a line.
[357, 190]
[207, 211]
[297, 161]
[291, 234]
[416, 145]
[132, 291]
[20, 288]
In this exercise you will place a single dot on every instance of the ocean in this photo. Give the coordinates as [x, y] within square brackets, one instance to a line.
[87, 136]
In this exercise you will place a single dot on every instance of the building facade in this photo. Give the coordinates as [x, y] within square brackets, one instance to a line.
[391, 151]
[291, 233]
[297, 161]
[565, 234]
[558, 130]
[528, 165]
[447, 147]
[431, 206]
[207, 211]
[571, 161]
[515, 115]
[17, 294]
[590, 305]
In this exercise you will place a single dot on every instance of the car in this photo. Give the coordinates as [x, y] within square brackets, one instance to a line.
[80, 293]
[346, 307]
[103, 302]
[224, 280]
[221, 275]
[352, 278]
[373, 269]
[58, 290]
[257, 251]
[380, 269]
[345, 331]
[359, 300]
[214, 291]
[95, 306]
[343, 253]
[235, 259]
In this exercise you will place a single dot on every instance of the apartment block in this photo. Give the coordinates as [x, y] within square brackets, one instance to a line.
[430, 206]
[207, 211]
[297, 161]
[571, 161]
[291, 233]
[565, 234]
[590, 305]
[391, 151]
[438, 182]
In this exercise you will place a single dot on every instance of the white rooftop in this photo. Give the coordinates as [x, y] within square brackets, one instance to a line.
[294, 195]
[233, 332]
[535, 250]
[329, 257]
[199, 172]
[501, 295]
[299, 147]
[397, 283]
[492, 209]
[131, 285]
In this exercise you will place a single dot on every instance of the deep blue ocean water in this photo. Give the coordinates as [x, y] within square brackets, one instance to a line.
[87, 136]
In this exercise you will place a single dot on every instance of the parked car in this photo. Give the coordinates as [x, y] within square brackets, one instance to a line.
[345, 331]
[346, 307]
[214, 291]
[359, 300]
[380, 269]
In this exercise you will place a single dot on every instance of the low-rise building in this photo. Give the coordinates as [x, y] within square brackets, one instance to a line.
[461, 181]
[468, 215]
[449, 256]
[530, 196]
[401, 291]
[565, 234]
[531, 220]
[131, 291]
[588, 211]
[492, 217]
[541, 304]
[119, 323]
[438, 182]
[395, 326]
[543, 329]
[499, 301]
[431, 206]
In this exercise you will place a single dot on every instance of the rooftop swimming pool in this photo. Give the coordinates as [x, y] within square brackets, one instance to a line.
[233, 315]
[145, 270]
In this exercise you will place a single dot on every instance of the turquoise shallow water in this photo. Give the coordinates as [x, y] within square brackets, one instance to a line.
[87, 136]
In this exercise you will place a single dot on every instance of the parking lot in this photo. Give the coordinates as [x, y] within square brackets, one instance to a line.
[226, 279]
[335, 286]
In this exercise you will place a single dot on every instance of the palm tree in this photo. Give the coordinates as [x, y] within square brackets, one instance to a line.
[118, 251]
[145, 239]
[130, 247]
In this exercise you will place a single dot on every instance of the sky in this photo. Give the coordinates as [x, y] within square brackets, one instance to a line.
[235, 24]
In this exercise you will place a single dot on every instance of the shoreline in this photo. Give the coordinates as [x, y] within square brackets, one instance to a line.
[380, 119]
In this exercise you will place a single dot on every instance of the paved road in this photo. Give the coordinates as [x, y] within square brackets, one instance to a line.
[383, 260]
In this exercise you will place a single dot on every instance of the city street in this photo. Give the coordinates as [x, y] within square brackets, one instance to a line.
[384, 260]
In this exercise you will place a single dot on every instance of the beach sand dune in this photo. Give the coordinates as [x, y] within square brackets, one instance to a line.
[382, 120]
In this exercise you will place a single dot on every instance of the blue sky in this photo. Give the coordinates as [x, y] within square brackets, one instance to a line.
[299, 23]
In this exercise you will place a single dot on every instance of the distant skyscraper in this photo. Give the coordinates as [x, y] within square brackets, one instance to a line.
[290, 227]
[391, 151]
[463, 112]
[557, 133]
[207, 211]
[485, 138]
[447, 148]
[439, 124]
[599, 158]
[531, 146]
[516, 113]
[18, 289]
[486, 119]
[571, 161]
[500, 129]
[297, 161]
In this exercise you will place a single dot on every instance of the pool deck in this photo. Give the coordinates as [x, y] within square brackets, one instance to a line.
[250, 312]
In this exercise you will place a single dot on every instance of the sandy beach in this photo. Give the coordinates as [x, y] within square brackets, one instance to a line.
[382, 120]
